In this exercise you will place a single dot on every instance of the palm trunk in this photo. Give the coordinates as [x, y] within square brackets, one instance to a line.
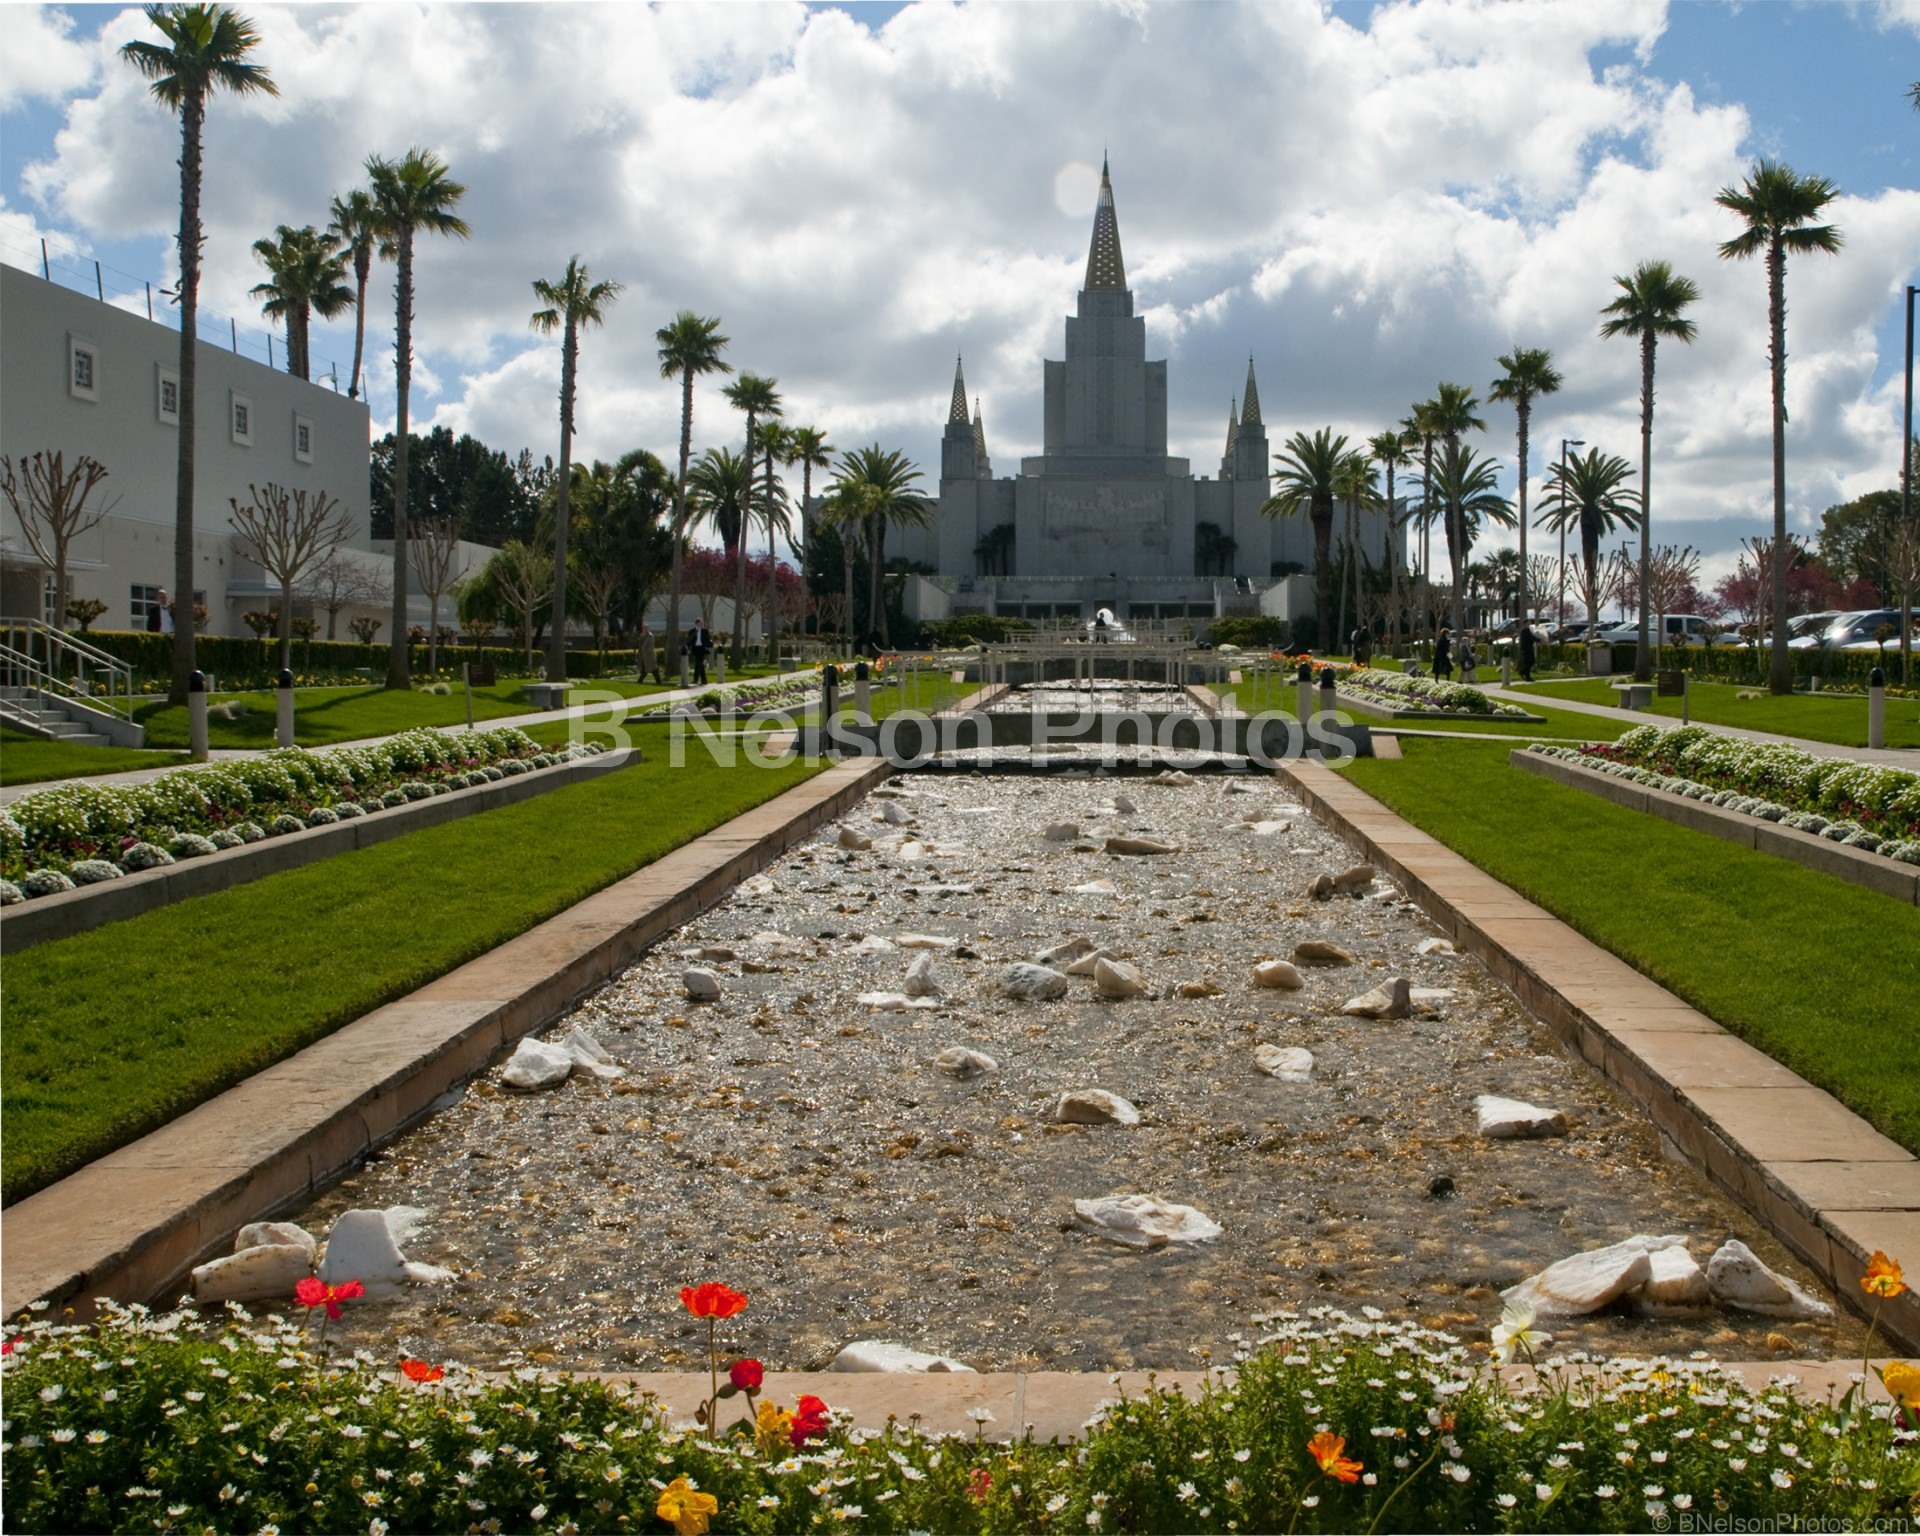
[362, 268]
[563, 508]
[1780, 663]
[1523, 409]
[286, 624]
[1323, 568]
[1340, 616]
[192, 115]
[433, 633]
[880, 581]
[1426, 518]
[773, 575]
[679, 521]
[1643, 648]
[1353, 545]
[846, 562]
[739, 653]
[1456, 537]
[398, 661]
[1393, 571]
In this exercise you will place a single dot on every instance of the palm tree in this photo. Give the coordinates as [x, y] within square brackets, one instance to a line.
[720, 490]
[1356, 484]
[1468, 484]
[807, 447]
[689, 348]
[758, 398]
[1529, 374]
[1649, 307]
[1778, 205]
[306, 273]
[1308, 467]
[847, 509]
[205, 51]
[573, 303]
[1419, 426]
[1391, 451]
[774, 444]
[1453, 408]
[1590, 491]
[414, 195]
[880, 483]
[356, 225]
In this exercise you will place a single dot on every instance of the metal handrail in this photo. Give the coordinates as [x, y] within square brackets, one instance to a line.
[64, 667]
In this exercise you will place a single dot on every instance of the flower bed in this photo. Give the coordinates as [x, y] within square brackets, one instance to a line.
[750, 694]
[1862, 805]
[1398, 690]
[192, 812]
[1328, 1422]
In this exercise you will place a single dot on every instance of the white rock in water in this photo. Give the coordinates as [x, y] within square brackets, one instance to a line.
[1062, 832]
[1278, 974]
[1589, 1281]
[1173, 778]
[259, 1272]
[361, 1247]
[961, 1062]
[701, 984]
[875, 1355]
[1094, 1106]
[1144, 1221]
[1677, 1284]
[924, 941]
[404, 1221]
[1738, 1279]
[1116, 978]
[1392, 999]
[874, 944]
[1512, 1120]
[758, 885]
[894, 814]
[1427, 1000]
[1085, 964]
[911, 852]
[1352, 881]
[714, 952]
[894, 1002]
[1270, 828]
[774, 942]
[534, 1064]
[262, 1234]
[1096, 888]
[1033, 983]
[1066, 951]
[590, 1056]
[1240, 787]
[1124, 807]
[1442, 947]
[1139, 845]
[1321, 952]
[1289, 1063]
[852, 839]
[921, 980]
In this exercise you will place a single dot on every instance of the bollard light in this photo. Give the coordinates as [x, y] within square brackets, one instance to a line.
[283, 726]
[197, 716]
[1876, 708]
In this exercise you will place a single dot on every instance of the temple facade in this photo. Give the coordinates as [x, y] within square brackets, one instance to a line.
[1104, 515]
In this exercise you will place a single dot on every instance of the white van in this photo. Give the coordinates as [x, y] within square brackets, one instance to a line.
[1682, 629]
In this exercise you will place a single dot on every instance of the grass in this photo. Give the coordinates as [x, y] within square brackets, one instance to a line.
[1810, 969]
[30, 760]
[1837, 718]
[114, 1032]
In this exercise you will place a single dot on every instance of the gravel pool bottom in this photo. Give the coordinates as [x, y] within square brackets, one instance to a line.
[805, 1148]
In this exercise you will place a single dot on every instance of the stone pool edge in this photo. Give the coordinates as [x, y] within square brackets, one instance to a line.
[131, 1224]
[1826, 1183]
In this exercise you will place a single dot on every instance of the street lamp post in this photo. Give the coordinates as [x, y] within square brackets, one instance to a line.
[1906, 431]
[1565, 444]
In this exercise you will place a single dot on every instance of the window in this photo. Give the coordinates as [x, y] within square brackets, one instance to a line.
[48, 592]
[166, 397]
[303, 439]
[142, 601]
[83, 369]
[243, 421]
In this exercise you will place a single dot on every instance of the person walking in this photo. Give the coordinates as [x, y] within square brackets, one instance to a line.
[1529, 645]
[647, 655]
[699, 647]
[1469, 660]
[1443, 655]
[1362, 646]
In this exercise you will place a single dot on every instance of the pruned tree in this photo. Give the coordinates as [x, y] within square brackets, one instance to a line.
[338, 582]
[286, 533]
[52, 503]
[1903, 576]
[596, 587]
[365, 628]
[1672, 571]
[433, 555]
[523, 576]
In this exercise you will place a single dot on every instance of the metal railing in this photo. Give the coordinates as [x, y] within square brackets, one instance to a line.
[58, 665]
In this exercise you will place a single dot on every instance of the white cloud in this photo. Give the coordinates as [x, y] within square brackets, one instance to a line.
[43, 60]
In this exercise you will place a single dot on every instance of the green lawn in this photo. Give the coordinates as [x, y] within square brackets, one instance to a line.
[109, 1034]
[1816, 972]
[1836, 718]
[29, 760]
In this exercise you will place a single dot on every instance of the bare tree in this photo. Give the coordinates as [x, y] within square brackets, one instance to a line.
[1671, 573]
[286, 533]
[433, 553]
[1903, 575]
[523, 576]
[51, 502]
[598, 583]
[337, 583]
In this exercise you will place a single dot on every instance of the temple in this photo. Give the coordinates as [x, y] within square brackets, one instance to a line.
[1104, 516]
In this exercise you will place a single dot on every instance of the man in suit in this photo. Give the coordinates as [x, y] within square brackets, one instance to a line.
[699, 645]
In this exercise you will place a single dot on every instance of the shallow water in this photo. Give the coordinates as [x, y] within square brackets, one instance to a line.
[806, 1150]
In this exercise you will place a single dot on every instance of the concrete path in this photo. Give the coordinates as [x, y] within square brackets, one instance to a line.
[1893, 757]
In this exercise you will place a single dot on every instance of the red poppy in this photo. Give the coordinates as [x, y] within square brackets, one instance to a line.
[317, 1293]
[712, 1300]
[746, 1375]
[419, 1370]
[980, 1484]
[809, 1420]
[7, 1347]
[310, 1292]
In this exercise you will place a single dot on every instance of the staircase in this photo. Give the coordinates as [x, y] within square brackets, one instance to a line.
[34, 713]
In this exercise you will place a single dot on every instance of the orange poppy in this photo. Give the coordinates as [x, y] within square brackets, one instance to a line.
[1883, 1277]
[419, 1370]
[712, 1300]
[1326, 1449]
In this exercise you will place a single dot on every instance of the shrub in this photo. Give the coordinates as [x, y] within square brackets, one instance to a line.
[347, 810]
[321, 816]
[94, 871]
[225, 837]
[144, 856]
[45, 882]
[10, 894]
[190, 845]
[966, 629]
[280, 826]
[251, 832]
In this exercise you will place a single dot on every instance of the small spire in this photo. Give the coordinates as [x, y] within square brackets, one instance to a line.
[979, 428]
[1105, 268]
[1250, 413]
[958, 410]
[1233, 425]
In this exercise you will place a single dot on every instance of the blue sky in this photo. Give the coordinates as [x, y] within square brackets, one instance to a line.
[1366, 197]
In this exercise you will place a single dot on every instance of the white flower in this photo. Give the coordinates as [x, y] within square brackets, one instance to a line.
[1457, 1472]
[1780, 1479]
[1683, 1501]
[769, 1501]
[62, 1436]
[1186, 1492]
[1506, 1501]
[1243, 1455]
[980, 1415]
[1515, 1334]
[1311, 1501]
[378, 1527]
[1605, 1491]
[1093, 1519]
[1542, 1492]
[52, 1394]
[1057, 1503]
[1738, 1464]
[478, 1458]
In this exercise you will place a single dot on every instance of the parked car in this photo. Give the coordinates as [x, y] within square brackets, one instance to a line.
[1859, 635]
[1682, 629]
[1814, 634]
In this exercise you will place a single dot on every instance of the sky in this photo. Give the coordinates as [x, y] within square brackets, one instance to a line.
[1366, 199]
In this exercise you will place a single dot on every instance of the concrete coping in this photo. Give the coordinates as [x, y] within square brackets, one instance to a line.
[1876, 872]
[60, 916]
[1825, 1182]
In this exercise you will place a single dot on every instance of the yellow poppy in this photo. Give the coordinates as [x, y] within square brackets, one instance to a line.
[1883, 1277]
[1902, 1383]
[685, 1508]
